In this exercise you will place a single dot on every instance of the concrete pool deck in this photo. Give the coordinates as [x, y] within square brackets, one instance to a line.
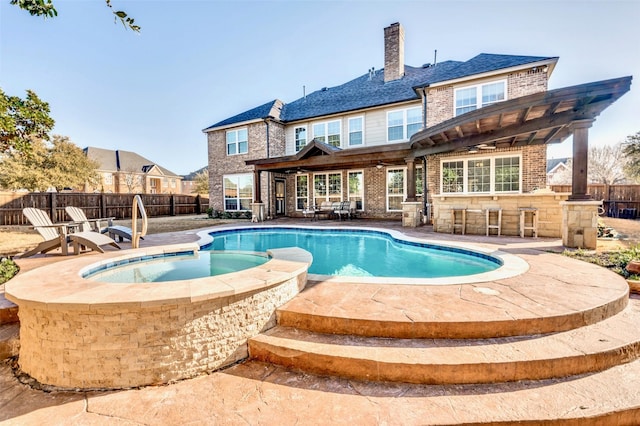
[594, 339]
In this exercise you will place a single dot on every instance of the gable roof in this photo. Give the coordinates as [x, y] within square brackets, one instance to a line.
[118, 160]
[369, 91]
[554, 163]
[269, 110]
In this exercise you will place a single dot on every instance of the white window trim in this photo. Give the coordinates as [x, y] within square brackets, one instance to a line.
[309, 182]
[363, 191]
[327, 173]
[236, 175]
[478, 87]
[404, 124]
[492, 166]
[404, 184]
[361, 117]
[295, 142]
[237, 142]
[325, 124]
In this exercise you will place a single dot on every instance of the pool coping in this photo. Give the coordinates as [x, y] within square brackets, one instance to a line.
[512, 265]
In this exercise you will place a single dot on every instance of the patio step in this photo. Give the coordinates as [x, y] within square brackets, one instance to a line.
[592, 348]
[9, 340]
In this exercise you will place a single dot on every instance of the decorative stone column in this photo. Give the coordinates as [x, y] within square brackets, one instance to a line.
[580, 224]
[411, 214]
[257, 212]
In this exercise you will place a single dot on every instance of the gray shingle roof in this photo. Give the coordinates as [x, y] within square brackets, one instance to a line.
[119, 160]
[366, 91]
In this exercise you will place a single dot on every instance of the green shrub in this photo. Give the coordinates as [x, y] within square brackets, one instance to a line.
[615, 260]
[8, 269]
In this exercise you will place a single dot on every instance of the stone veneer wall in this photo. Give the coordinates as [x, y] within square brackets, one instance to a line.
[550, 215]
[128, 345]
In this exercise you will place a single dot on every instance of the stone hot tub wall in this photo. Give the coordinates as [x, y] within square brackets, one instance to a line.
[77, 333]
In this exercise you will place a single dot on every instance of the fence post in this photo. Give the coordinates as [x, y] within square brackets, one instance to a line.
[198, 209]
[103, 206]
[172, 205]
[53, 206]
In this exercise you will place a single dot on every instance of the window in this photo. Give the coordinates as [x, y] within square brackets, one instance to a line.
[356, 188]
[302, 192]
[486, 175]
[466, 98]
[507, 174]
[327, 187]
[396, 188]
[402, 124]
[237, 142]
[328, 133]
[301, 137]
[356, 135]
[238, 192]
[108, 178]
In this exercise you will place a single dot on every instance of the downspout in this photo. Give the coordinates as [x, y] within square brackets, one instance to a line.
[269, 176]
[426, 206]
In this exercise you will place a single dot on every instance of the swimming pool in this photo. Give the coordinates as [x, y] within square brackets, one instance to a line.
[184, 265]
[350, 252]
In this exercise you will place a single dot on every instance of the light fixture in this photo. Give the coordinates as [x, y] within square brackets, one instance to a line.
[473, 149]
[379, 166]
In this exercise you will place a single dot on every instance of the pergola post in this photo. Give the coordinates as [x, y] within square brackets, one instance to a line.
[257, 207]
[580, 160]
[411, 180]
[411, 206]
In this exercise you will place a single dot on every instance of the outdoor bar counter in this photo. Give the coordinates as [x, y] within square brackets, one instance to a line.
[548, 204]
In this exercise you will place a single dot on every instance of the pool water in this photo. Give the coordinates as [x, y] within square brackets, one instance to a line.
[359, 253]
[175, 267]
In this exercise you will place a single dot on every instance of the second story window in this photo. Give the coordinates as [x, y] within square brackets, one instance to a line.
[237, 142]
[328, 132]
[301, 137]
[356, 134]
[402, 124]
[474, 97]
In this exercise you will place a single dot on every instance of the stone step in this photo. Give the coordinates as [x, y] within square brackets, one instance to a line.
[613, 341]
[527, 304]
[9, 340]
[8, 309]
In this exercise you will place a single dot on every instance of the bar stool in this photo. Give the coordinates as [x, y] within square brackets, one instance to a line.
[524, 211]
[498, 224]
[463, 216]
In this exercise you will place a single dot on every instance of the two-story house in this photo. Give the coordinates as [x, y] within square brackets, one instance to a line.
[125, 172]
[404, 142]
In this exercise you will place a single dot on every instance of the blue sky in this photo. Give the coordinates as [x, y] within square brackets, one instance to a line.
[198, 62]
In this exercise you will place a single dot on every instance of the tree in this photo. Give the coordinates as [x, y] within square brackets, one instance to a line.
[606, 164]
[58, 165]
[21, 120]
[132, 180]
[631, 149]
[46, 9]
[201, 180]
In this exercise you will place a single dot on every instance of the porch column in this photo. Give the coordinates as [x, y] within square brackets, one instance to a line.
[257, 198]
[411, 180]
[580, 160]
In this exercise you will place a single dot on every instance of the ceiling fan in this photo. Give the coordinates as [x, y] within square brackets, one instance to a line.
[485, 146]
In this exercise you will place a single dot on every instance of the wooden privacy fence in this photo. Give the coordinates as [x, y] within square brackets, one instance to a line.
[619, 200]
[96, 205]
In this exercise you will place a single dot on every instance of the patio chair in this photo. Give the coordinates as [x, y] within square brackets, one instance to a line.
[60, 235]
[344, 210]
[98, 225]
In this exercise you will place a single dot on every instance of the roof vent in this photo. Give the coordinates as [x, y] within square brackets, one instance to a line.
[426, 65]
[324, 89]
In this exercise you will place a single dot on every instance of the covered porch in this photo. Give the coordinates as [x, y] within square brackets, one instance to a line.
[523, 125]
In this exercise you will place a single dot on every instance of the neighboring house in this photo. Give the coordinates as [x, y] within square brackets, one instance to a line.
[127, 172]
[189, 181]
[559, 171]
[390, 136]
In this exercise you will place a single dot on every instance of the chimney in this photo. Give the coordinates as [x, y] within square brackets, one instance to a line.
[393, 52]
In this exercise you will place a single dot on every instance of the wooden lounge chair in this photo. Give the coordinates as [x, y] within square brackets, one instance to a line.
[115, 231]
[98, 225]
[60, 235]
